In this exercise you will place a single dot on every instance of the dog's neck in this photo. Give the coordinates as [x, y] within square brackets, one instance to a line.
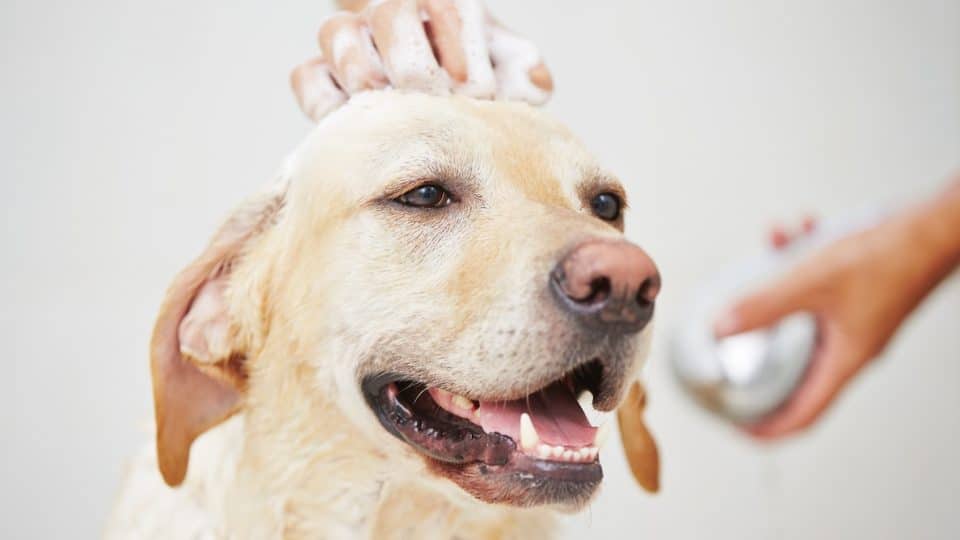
[300, 477]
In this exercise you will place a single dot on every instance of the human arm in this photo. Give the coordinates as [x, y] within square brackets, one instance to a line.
[860, 288]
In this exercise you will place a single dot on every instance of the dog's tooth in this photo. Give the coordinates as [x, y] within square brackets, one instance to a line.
[585, 400]
[603, 433]
[593, 453]
[528, 434]
[557, 452]
[568, 455]
[462, 402]
[586, 405]
[595, 417]
[584, 453]
[544, 451]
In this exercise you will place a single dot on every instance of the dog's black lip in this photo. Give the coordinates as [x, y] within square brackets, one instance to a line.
[466, 442]
[506, 460]
[370, 387]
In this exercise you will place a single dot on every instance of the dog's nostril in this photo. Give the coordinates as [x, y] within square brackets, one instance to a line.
[599, 291]
[647, 292]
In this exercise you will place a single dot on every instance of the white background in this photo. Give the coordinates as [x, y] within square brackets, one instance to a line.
[128, 129]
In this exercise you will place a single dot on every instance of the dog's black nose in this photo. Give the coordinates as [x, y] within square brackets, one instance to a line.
[607, 284]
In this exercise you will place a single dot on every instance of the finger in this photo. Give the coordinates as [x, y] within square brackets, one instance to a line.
[407, 57]
[345, 43]
[352, 5]
[766, 305]
[808, 402]
[457, 29]
[520, 71]
[317, 93]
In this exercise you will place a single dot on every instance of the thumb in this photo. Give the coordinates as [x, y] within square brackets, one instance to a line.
[824, 380]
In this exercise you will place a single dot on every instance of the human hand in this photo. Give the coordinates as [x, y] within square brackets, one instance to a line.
[433, 46]
[860, 288]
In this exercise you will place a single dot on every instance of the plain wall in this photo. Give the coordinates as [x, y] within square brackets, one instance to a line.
[128, 129]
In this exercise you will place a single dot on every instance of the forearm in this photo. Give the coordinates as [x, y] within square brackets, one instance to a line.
[932, 232]
[941, 227]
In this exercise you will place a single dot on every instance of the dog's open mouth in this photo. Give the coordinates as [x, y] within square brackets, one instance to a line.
[540, 448]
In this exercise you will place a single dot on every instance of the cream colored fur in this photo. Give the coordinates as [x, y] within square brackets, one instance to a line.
[340, 283]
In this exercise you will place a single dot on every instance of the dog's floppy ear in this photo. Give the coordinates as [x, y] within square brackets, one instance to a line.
[638, 443]
[197, 369]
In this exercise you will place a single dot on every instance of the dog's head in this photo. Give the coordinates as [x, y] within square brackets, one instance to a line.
[449, 274]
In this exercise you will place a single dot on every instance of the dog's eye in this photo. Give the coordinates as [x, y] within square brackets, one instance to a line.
[606, 206]
[427, 196]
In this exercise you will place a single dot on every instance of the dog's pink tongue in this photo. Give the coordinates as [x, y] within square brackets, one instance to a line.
[555, 413]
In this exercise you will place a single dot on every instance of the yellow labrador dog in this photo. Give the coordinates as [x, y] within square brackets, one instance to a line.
[396, 338]
[400, 330]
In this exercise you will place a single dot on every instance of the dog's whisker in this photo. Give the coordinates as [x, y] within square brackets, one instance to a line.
[420, 394]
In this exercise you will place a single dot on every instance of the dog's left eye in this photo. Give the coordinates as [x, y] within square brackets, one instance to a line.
[606, 206]
[426, 196]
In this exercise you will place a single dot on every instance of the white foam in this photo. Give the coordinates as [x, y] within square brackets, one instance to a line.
[318, 94]
[514, 57]
[343, 40]
[410, 62]
[480, 82]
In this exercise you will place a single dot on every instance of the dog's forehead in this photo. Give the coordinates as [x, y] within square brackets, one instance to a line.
[381, 136]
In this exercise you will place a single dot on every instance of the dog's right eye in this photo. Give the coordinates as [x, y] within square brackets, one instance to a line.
[426, 196]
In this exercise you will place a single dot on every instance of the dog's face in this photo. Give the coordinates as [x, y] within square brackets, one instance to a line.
[453, 276]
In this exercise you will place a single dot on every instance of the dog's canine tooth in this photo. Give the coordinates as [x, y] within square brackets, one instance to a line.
[603, 433]
[462, 402]
[585, 399]
[528, 434]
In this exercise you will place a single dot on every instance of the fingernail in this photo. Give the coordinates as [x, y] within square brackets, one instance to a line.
[540, 77]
